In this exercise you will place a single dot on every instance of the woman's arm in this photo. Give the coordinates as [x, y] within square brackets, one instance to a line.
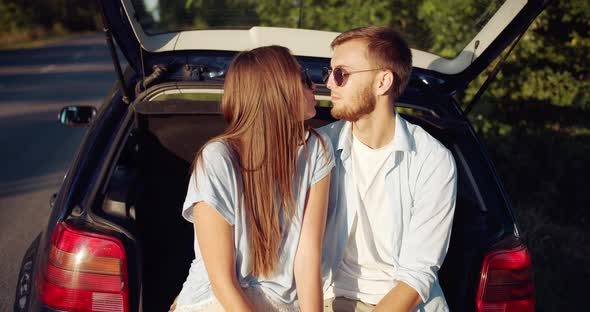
[308, 276]
[216, 243]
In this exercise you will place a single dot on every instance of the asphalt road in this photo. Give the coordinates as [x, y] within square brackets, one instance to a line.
[35, 149]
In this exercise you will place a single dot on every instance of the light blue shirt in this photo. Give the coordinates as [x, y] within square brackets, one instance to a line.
[219, 184]
[421, 182]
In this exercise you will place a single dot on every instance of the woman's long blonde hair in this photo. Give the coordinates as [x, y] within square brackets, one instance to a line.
[263, 106]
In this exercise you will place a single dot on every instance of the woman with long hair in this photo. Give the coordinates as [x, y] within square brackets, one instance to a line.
[258, 194]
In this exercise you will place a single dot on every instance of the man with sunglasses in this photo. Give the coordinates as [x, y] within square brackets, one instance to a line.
[393, 188]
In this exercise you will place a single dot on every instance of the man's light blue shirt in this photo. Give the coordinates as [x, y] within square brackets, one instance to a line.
[421, 182]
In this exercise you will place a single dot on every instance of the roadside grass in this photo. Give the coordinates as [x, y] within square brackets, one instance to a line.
[35, 38]
[560, 259]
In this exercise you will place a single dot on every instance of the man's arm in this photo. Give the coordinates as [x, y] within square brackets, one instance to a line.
[400, 298]
[425, 242]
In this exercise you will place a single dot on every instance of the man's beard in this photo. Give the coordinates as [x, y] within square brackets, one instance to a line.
[362, 104]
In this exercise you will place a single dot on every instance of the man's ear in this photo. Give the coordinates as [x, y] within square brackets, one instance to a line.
[385, 82]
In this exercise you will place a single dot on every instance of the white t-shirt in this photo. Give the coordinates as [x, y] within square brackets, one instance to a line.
[366, 270]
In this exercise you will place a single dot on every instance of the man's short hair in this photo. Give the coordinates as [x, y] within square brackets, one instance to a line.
[386, 50]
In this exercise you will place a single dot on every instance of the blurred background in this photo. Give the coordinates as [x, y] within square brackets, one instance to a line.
[51, 56]
[534, 118]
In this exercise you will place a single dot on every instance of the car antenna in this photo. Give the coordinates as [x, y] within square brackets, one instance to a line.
[300, 13]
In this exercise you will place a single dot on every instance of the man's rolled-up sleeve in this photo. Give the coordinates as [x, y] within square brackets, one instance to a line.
[426, 240]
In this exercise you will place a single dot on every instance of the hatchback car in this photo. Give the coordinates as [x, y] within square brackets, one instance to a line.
[116, 240]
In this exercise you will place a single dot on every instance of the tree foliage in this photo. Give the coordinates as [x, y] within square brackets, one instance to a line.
[14, 16]
[73, 15]
[550, 66]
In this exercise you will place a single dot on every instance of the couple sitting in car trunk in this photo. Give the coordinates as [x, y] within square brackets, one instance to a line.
[354, 216]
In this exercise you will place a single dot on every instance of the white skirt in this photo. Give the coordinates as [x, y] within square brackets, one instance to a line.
[260, 301]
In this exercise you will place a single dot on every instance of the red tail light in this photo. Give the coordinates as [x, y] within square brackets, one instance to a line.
[506, 282]
[85, 272]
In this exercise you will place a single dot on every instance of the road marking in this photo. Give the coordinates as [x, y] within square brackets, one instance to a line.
[48, 68]
[27, 184]
[20, 108]
[56, 69]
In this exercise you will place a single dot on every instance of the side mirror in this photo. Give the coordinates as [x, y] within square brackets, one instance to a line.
[77, 116]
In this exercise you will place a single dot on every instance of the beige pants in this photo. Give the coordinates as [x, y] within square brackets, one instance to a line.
[341, 304]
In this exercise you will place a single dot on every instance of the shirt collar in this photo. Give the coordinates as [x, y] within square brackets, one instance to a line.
[402, 140]
[345, 140]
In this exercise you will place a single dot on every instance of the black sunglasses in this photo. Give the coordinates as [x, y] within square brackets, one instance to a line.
[340, 75]
[306, 79]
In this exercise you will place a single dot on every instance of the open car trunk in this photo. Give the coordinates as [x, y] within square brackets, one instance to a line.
[168, 145]
[149, 182]
[147, 189]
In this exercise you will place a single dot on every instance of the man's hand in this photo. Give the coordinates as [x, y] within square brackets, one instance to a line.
[173, 306]
[402, 298]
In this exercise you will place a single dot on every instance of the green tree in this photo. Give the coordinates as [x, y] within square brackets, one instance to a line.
[550, 66]
[15, 16]
[452, 24]
[67, 15]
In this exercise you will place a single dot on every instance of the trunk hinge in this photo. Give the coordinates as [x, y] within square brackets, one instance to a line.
[109, 37]
[146, 82]
[491, 76]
